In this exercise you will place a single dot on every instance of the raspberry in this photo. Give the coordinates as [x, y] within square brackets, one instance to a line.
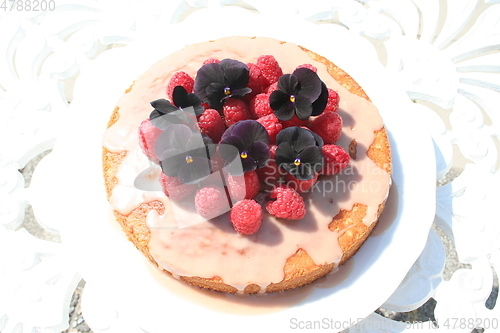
[335, 159]
[328, 126]
[272, 125]
[256, 81]
[271, 88]
[246, 217]
[211, 201]
[308, 66]
[298, 185]
[287, 203]
[211, 124]
[259, 106]
[270, 174]
[271, 70]
[246, 186]
[174, 188]
[295, 121]
[211, 61]
[235, 110]
[148, 134]
[180, 79]
[333, 101]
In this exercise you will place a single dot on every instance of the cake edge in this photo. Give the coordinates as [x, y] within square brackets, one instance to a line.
[299, 269]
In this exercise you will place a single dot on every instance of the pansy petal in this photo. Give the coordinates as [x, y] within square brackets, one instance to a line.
[215, 95]
[175, 138]
[285, 112]
[303, 108]
[164, 121]
[288, 84]
[179, 116]
[250, 131]
[234, 141]
[259, 151]
[288, 135]
[172, 164]
[178, 136]
[195, 171]
[179, 97]
[195, 142]
[319, 105]
[248, 164]
[206, 75]
[227, 64]
[167, 153]
[240, 92]
[313, 157]
[302, 171]
[235, 73]
[310, 83]
[196, 103]
[228, 149]
[227, 133]
[278, 98]
[162, 106]
[298, 138]
[285, 154]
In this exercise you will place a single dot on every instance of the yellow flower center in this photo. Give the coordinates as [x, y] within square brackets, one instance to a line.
[189, 159]
[296, 162]
[292, 98]
[244, 154]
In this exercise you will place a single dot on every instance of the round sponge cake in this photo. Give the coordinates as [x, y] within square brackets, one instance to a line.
[342, 209]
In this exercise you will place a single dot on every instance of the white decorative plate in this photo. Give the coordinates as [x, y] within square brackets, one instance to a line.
[112, 266]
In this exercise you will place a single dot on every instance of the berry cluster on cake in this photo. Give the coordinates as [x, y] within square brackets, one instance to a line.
[273, 165]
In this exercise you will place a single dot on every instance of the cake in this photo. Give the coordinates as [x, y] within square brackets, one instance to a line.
[273, 248]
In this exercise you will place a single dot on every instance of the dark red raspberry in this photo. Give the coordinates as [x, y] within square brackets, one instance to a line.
[211, 61]
[271, 70]
[298, 185]
[335, 159]
[272, 125]
[271, 88]
[235, 110]
[295, 121]
[246, 217]
[286, 203]
[328, 126]
[256, 81]
[174, 188]
[333, 101]
[246, 186]
[180, 79]
[210, 123]
[211, 201]
[270, 174]
[308, 66]
[148, 134]
[259, 106]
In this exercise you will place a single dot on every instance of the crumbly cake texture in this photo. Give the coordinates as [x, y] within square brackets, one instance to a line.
[300, 268]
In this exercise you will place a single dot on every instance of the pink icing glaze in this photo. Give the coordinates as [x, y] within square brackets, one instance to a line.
[213, 248]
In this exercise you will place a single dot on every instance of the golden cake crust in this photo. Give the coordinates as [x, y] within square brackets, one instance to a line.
[299, 269]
